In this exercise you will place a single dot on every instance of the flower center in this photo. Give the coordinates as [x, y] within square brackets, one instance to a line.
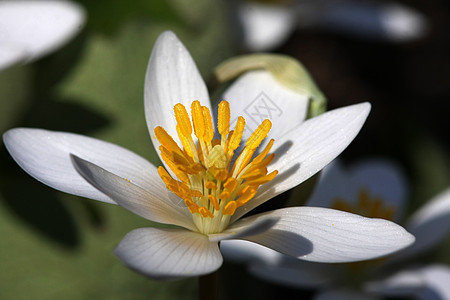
[210, 186]
[372, 207]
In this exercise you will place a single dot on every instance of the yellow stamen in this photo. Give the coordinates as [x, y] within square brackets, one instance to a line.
[230, 208]
[205, 212]
[244, 189]
[209, 131]
[231, 184]
[264, 179]
[211, 187]
[223, 118]
[225, 194]
[264, 153]
[372, 207]
[198, 120]
[166, 140]
[195, 193]
[259, 135]
[183, 120]
[235, 138]
[254, 174]
[188, 146]
[181, 175]
[246, 197]
[242, 160]
[214, 202]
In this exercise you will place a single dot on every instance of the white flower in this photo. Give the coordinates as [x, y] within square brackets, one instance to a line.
[374, 188]
[32, 29]
[206, 211]
[266, 26]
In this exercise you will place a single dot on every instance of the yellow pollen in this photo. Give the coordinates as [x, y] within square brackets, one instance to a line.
[211, 187]
[231, 184]
[205, 213]
[225, 194]
[223, 120]
[374, 207]
[183, 120]
[230, 208]
[198, 120]
[264, 153]
[209, 130]
[259, 135]
[235, 138]
[166, 140]
[214, 202]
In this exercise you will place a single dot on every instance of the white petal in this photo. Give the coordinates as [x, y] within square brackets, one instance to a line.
[305, 150]
[39, 27]
[327, 235]
[372, 20]
[404, 282]
[172, 77]
[244, 228]
[132, 197]
[247, 252]
[275, 267]
[343, 294]
[45, 155]
[425, 282]
[162, 253]
[430, 224]
[295, 273]
[402, 23]
[381, 178]
[257, 96]
[10, 55]
[437, 280]
[333, 181]
[266, 26]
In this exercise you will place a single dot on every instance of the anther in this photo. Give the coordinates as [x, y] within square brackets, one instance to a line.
[231, 184]
[211, 185]
[209, 130]
[225, 194]
[197, 119]
[205, 212]
[245, 197]
[264, 179]
[259, 134]
[263, 154]
[235, 139]
[214, 202]
[166, 140]
[230, 208]
[183, 119]
[223, 120]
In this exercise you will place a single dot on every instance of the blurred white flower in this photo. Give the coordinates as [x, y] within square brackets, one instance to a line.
[372, 188]
[211, 194]
[30, 30]
[267, 24]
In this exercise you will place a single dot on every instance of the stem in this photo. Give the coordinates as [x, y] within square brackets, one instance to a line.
[208, 286]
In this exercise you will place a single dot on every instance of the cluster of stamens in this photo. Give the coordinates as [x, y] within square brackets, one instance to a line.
[212, 188]
[372, 207]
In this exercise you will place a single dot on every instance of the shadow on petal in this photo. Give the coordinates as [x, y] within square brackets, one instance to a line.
[285, 242]
[281, 150]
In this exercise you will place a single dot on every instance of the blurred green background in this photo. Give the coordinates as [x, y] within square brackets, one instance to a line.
[59, 246]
